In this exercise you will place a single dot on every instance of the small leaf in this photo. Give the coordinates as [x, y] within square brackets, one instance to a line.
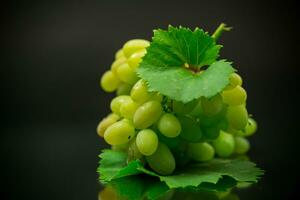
[173, 60]
[113, 165]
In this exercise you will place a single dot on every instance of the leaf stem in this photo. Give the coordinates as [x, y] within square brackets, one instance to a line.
[218, 32]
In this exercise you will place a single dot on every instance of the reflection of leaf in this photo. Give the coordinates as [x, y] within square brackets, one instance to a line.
[218, 174]
[175, 55]
[138, 187]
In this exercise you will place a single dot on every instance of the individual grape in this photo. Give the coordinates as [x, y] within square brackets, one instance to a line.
[147, 114]
[169, 125]
[120, 147]
[234, 132]
[133, 46]
[242, 145]
[223, 124]
[116, 103]
[162, 161]
[210, 121]
[190, 130]
[133, 152]
[211, 133]
[128, 109]
[116, 64]
[170, 142]
[119, 54]
[197, 110]
[235, 96]
[135, 59]
[201, 151]
[251, 127]
[237, 117]
[147, 142]
[127, 74]
[124, 89]
[109, 81]
[224, 144]
[154, 96]
[181, 159]
[212, 106]
[106, 122]
[139, 92]
[234, 80]
[119, 133]
[184, 108]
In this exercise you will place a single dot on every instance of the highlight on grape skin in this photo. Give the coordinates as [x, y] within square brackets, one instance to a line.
[206, 127]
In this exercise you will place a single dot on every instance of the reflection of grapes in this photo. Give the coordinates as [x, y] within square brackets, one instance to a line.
[164, 132]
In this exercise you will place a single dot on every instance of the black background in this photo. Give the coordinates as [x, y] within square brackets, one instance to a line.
[54, 54]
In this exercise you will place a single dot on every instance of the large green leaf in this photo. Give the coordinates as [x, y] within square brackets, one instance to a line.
[113, 166]
[173, 61]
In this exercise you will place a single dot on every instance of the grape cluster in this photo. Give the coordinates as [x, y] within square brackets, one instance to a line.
[167, 134]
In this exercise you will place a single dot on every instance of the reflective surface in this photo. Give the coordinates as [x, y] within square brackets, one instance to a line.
[109, 193]
[55, 51]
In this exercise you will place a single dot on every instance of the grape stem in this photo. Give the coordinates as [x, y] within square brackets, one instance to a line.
[218, 32]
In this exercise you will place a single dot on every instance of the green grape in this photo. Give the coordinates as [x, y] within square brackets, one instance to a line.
[154, 96]
[133, 152]
[190, 130]
[120, 147]
[127, 74]
[170, 142]
[201, 151]
[223, 124]
[116, 64]
[242, 145]
[224, 144]
[235, 96]
[197, 110]
[119, 54]
[106, 122]
[139, 92]
[109, 81]
[184, 108]
[211, 133]
[234, 80]
[133, 46]
[116, 103]
[162, 161]
[169, 125]
[128, 109]
[236, 132]
[119, 133]
[147, 114]
[147, 142]
[135, 59]
[181, 159]
[251, 127]
[124, 89]
[210, 121]
[237, 117]
[212, 106]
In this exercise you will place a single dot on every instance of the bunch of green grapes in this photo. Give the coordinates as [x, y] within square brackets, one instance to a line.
[166, 134]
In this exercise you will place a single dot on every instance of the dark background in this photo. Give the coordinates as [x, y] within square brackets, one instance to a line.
[55, 52]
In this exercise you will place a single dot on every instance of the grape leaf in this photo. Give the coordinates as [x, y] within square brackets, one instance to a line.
[173, 60]
[113, 166]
